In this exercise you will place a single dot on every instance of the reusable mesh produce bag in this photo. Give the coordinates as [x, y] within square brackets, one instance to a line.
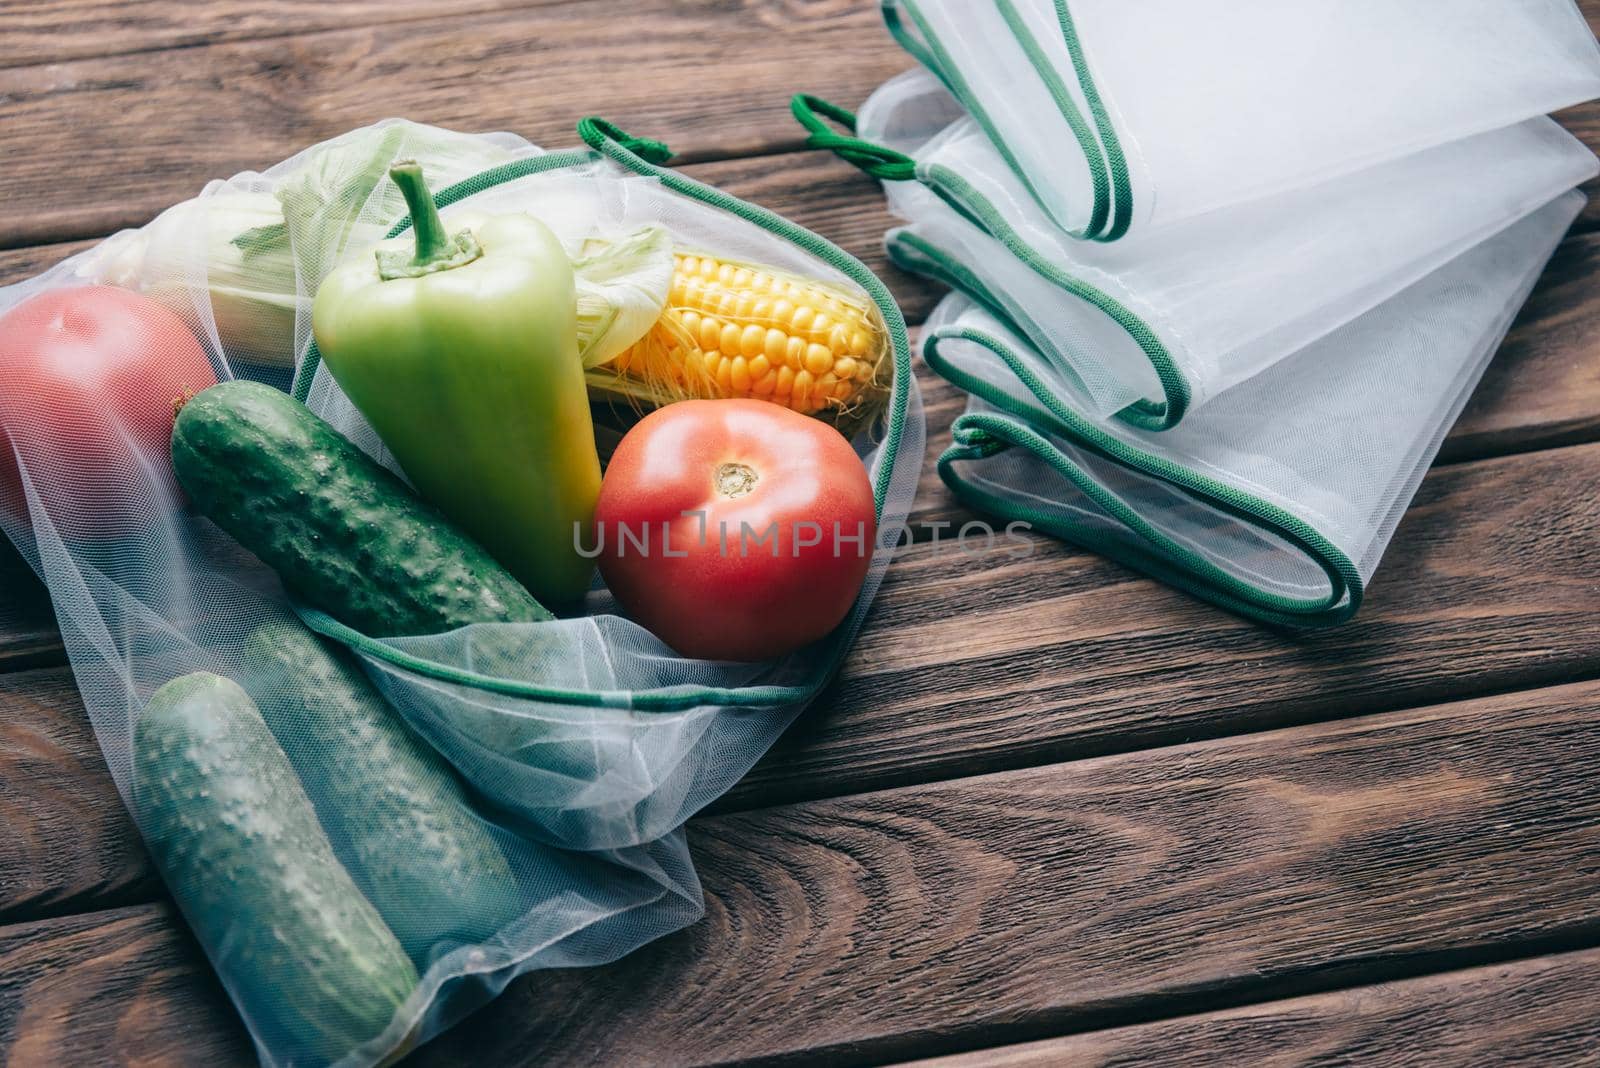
[451, 810]
[1277, 500]
[1122, 116]
[1156, 325]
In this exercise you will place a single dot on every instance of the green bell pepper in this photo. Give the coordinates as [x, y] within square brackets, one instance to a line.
[461, 351]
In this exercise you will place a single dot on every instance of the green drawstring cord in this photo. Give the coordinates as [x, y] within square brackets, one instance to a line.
[879, 161]
[596, 131]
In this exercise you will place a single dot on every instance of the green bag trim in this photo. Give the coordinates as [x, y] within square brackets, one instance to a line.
[979, 435]
[643, 156]
[913, 253]
[1101, 147]
[888, 164]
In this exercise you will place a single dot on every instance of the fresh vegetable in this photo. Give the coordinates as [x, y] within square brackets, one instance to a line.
[461, 350]
[735, 530]
[395, 807]
[342, 532]
[737, 330]
[88, 377]
[622, 288]
[233, 832]
[258, 234]
[251, 284]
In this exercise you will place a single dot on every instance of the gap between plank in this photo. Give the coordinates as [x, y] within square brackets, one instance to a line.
[1352, 975]
[1265, 721]
[94, 226]
[275, 35]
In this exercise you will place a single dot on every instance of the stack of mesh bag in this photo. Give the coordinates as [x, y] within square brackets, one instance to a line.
[1224, 273]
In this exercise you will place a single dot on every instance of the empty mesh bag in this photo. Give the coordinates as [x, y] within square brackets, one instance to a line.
[1158, 324]
[1122, 116]
[1278, 499]
[371, 836]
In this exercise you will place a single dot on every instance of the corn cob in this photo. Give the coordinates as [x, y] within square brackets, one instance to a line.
[737, 330]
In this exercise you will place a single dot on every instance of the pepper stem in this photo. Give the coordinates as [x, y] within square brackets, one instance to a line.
[436, 249]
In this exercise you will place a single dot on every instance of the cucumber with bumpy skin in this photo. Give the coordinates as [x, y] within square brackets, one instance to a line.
[306, 956]
[343, 533]
[394, 806]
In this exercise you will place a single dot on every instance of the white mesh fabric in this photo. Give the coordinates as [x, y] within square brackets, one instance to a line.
[1336, 437]
[907, 110]
[1217, 103]
[1230, 293]
[582, 798]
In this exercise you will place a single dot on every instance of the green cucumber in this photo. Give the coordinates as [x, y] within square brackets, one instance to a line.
[394, 806]
[343, 533]
[306, 956]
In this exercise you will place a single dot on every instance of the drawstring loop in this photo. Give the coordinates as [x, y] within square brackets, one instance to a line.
[879, 161]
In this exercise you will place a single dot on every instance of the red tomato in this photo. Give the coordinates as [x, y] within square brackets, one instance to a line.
[735, 529]
[88, 377]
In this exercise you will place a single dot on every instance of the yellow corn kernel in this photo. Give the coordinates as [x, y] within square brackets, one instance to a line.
[738, 330]
[753, 341]
[802, 391]
[710, 334]
[774, 345]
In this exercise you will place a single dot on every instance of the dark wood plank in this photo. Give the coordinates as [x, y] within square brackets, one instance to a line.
[1543, 388]
[1072, 897]
[18, 264]
[51, 31]
[28, 633]
[57, 792]
[53, 975]
[70, 124]
[1016, 657]
[1532, 1012]
[1002, 660]
[97, 144]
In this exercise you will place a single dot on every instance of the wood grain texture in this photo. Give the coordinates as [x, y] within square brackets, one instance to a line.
[860, 928]
[1543, 387]
[51, 31]
[973, 663]
[98, 144]
[1532, 1013]
[28, 633]
[59, 981]
[68, 843]
[1036, 652]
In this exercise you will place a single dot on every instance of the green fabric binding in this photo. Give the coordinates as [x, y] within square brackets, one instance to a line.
[889, 165]
[913, 253]
[1095, 230]
[643, 156]
[1108, 169]
[1116, 160]
[980, 435]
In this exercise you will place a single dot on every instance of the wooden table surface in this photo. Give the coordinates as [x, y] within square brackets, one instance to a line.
[1052, 812]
